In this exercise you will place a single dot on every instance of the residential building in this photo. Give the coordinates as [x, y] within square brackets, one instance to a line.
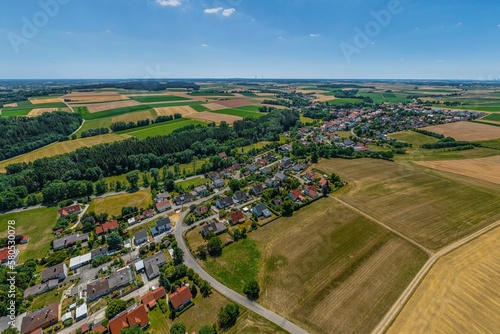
[225, 202]
[149, 213]
[43, 318]
[162, 197]
[201, 210]
[131, 221]
[218, 183]
[6, 258]
[251, 168]
[70, 210]
[286, 163]
[80, 261]
[149, 299]
[261, 210]
[97, 289]
[216, 228]
[236, 217]
[240, 196]
[41, 288]
[296, 195]
[59, 272]
[180, 298]
[98, 252]
[140, 238]
[81, 312]
[272, 183]
[311, 176]
[280, 177]
[163, 206]
[24, 240]
[201, 190]
[137, 316]
[120, 278]
[69, 240]
[311, 191]
[258, 189]
[162, 226]
[107, 227]
[182, 199]
[153, 263]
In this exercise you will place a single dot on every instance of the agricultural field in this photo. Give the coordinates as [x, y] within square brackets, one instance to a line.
[460, 293]
[215, 117]
[492, 117]
[10, 112]
[214, 106]
[113, 204]
[158, 98]
[63, 147]
[45, 100]
[134, 116]
[37, 225]
[39, 111]
[98, 107]
[343, 279]
[234, 103]
[239, 112]
[160, 129]
[344, 101]
[487, 169]
[84, 112]
[93, 96]
[432, 208]
[170, 111]
[468, 131]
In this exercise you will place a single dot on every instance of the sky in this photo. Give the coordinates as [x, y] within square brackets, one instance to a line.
[323, 39]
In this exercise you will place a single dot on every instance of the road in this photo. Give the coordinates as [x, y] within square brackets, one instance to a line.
[191, 262]
[410, 289]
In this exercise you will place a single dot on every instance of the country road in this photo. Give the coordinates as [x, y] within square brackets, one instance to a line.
[191, 262]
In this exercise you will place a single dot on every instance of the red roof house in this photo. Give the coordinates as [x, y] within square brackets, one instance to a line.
[237, 217]
[150, 298]
[69, 210]
[106, 227]
[138, 316]
[181, 298]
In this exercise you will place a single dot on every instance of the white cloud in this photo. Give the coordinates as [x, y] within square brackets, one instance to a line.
[314, 35]
[498, 25]
[169, 3]
[213, 10]
[204, 45]
[459, 24]
[228, 12]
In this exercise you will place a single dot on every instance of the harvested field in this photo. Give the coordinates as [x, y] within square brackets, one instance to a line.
[98, 107]
[134, 116]
[39, 111]
[62, 147]
[170, 111]
[460, 294]
[44, 101]
[10, 105]
[324, 98]
[430, 207]
[468, 131]
[93, 97]
[233, 103]
[216, 118]
[487, 169]
[214, 106]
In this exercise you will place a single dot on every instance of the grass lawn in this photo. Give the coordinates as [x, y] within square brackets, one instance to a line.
[9, 112]
[158, 98]
[415, 138]
[194, 238]
[113, 204]
[201, 93]
[160, 323]
[238, 112]
[37, 225]
[256, 146]
[193, 183]
[161, 129]
[491, 144]
[238, 264]
[305, 119]
[47, 298]
[343, 101]
[252, 323]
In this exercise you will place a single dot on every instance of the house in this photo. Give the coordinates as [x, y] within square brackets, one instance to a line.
[69, 240]
[201, 190]
[286, 163]
[277, 201]
[43, 318]
[120, 278]
[140, 238]
[280, 177]
[311, 191]
[225, 202]
[311, 176]
[182, 199]
[201, 210]
[41, 288]
[215, 176]
[240, 196]
[284, 149]
[216, 228]
[162, 226]
[24, 240]
[70, 210]
[99, 328]
[131, 221]
[98, 252]
[58, 231]
[107, 227]
[163, 206]
[258, 189]
[9, 256]
[272, 183]
[149, 299]
[323, 182]
[97, 289]
[218, 183]
[153, 263]
[162, 197]
[80, 261]
[265, 170]
[223, 155]
[262, 161]
[261, 210]
[296, 195]
[236, 217]
[59, 272]
[180, 298]
[137, 316]
[299, 167]
[251, 168]
[236, 166]
[150, 212]
[81, 312]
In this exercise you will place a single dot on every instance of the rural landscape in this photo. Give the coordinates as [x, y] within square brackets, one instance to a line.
[249, 167]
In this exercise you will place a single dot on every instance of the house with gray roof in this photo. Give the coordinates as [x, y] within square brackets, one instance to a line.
[59, 272]
[69, 240]
[140, 238]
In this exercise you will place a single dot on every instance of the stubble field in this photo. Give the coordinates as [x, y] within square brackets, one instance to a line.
[467, 131]
[215, 117]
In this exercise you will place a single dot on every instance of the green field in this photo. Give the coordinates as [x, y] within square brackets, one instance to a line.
[251, 108]
[492, 117]
[193, 183]
[158, 98]
[113, 204]
[84, 112]
[238, 112]
[200, 108]
[480, 107]
[202, 93]
[37, 225]
[160, 129]
[343, 101]
[10, 112]
[432, 208]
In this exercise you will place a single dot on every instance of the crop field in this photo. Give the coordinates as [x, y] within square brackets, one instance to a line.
[487, 169]
[215, 117]
[170, 111]
[239, 113]
[10, 105]
[93, 96]
[343, 101]
[113, 204]
[157, 98]
[62, 147]
[468, 131]
[84, 112]
[415, 138]
[327, 267]
[39, 111]
[200, 107]
[460, 294]
[161, 129]
[492, 117]
[134, 116]
[202, 93]
[44, 101]
[234, 103]
[214, 106]
[15, 112]
[37, 225]
[252, 323]
[432, 208]
[98, 107]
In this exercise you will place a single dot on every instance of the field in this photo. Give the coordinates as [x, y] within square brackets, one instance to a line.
[170, 111]
[37, 225]
[342, 101]
[233, 103]
[214, 106]
[133, 116]
[161, 129]
[215, 117]
[62, 147]
[193, 183]
[113, 204]
[98, 107]
[239, 113]
[468, 131]
[157, 98]
[487, 169]
[492, 117]
[327, 267]
[47, 298]
[39, 111]
[93, 96]
[43, 101]
[252, 323]
[432, 208]
[460, 294]
[84, 112]
[15, 112]
[415, 138]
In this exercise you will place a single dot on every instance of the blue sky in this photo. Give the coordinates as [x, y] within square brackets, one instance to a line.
[424, 39]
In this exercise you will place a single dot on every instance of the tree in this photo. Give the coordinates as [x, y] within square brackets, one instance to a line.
[234, 185]
[133, 178]
[201, 251]
[314, 157]
[101, 187]
[228, 315]
[14, 330]
[155, 172]
[205, 289]
[214, 246]
[237, 235]
[164, 282]
[178, 328]
[207, 329]
[287, 207]
[115, 307]
[194, 290]
[114, 241]
[131, 330]
[252, 290]
[178, 255]
[145, 180]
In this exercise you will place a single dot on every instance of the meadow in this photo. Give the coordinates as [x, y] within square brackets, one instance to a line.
[238, 112]
[113, 204]
[160, 129]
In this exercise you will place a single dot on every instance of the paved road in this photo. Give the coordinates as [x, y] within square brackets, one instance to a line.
[191, 262]
[408, 292]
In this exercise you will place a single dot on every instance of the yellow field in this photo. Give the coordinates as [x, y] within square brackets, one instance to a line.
[324, 98]
[216, 118]
[13, 105]
[461, 293]
[42, 101]
[39, 111]
[62, 147]
[134, 116]
[170, 111]
[214, 106]
[93, 96]
[113, 204]
[487, 169]
[467, 131]
[98, 107]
